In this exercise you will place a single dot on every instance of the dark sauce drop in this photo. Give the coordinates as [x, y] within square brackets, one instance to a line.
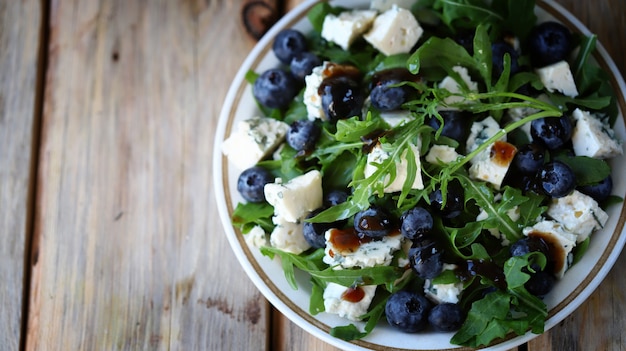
[502, 153]
[346, 240]
[556, 254]
[353, 294]
[483, 268]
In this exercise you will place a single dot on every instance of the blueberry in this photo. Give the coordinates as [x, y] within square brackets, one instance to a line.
[548, 43]
[251, 183]
[599, 191]
[556, 179]
[454, 204]
[446, 317]
[498, 49]
[540, 283]
[302, 135]
[335, 197]
[454, 124]
[552, 132]
[416, 222]
[426, 258]
[274, 88]
[341, 97]
[386, 97]
[287, 44]
[407, 311]
[529, 158]
[373, 222]
[302, 64]
[527, 245]
[314, 233]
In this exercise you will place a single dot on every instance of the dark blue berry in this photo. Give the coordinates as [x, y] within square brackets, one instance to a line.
[426, 258]
[556, 179]
[275, 88]
[446, 317]
[540, 283]
[374, 222]
[599, 191]
[498, 49]
[454, 124]
[302, 135]
[314, 233]
[386, 97]
[416, 222]
[341, 98]
[335, 197]
[287, 44]
[527, 245]
[548, 43]
[454, 204]
[529, 158]
[302, 64]
[251, 183]
[407, 311]
[552, 132]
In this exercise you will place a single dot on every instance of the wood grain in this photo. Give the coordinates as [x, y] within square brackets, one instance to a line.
[129, 251]
[19, 66]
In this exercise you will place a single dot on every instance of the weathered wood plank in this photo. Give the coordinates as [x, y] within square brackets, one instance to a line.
[599, 323]
[20, 32]
[130, 253]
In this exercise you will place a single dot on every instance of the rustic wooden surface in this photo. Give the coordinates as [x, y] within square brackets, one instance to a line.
[106, 183]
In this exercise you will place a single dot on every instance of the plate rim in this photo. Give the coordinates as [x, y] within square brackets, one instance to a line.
[307, 322]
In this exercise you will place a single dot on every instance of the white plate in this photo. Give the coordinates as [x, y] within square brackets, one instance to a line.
[579, 282]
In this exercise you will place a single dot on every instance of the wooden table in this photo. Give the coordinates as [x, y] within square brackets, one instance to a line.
[109, 233]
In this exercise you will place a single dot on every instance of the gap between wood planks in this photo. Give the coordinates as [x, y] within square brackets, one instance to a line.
[30, 237]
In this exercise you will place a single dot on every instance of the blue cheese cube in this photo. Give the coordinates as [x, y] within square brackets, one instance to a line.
[367, 254]
[594, 138]
[348, 302]
[454, 87]
[384, 5]
[378, 155]
[254, 139]
[287, 236]
[257, 237]
[394, 31]
[578, 213]
[442, 293]
[481, 131]
[293, 200]
[312, 99]
[441, 154]
[491, 164]
[560, 243]
[346, 27]
[558, 77]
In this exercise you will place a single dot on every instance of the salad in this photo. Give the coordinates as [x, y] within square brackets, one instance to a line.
[436, 165]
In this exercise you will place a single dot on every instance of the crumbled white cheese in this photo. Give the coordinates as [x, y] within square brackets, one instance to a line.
[254, 139]
[395, 31]
[296, 198]
[441, 293]
[256, 237]
[454, 87]
[441, 154]
[378, 155]
[368, 254]
[384, 5]
[287, 236]
[555, 234]
[480, 132]
[578, 213]
[336, 304]
[312, 99]
[492, 163]
[558, 77]
[345, 28]
[593, 138]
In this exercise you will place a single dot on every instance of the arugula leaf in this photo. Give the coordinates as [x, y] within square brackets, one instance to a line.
[247, 215]
[587, 170]
[351, 332]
